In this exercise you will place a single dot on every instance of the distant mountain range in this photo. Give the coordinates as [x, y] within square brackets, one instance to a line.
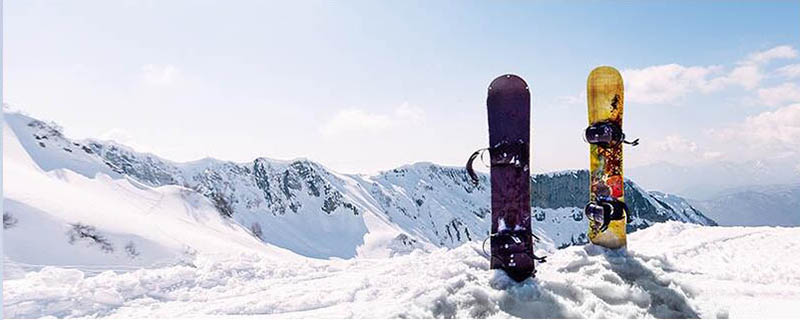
[711, 180]
[770, 205]
[306, 208]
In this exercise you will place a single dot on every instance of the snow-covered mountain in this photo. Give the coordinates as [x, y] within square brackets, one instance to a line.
[298, 205]
[95, 229]
[770, 205]
[566, 192]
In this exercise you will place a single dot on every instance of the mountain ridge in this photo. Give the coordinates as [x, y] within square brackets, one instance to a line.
[756, 205]
[307, 208]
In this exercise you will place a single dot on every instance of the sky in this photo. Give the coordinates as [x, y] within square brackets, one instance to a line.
[362, 86]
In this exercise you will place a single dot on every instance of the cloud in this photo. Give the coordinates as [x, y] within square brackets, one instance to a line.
[665, 83]
[677, 144]
[748, 73]
[673, 148]
[669, 83]
[712, 155]
[747, 76]
[579, 98]
[410, 113]
[790, 71]
[781, 126]
[779, 95]
[159, 75]
[779, 52]
[774, 130]
[354, 120]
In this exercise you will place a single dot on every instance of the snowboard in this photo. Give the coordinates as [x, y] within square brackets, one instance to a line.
[508, 107]
[606, 210]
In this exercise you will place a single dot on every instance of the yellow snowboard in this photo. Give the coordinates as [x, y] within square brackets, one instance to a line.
[604, 93]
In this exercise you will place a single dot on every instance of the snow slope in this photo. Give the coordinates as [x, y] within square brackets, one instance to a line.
[671, 269]
[63, 217]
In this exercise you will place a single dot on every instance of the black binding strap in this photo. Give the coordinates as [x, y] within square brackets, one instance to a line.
[633, 143]
[612, 210]
[505, 147]
[533, 256]
[606, 134]
[470, 170]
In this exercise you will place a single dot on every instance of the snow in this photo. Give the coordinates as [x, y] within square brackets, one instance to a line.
[162, 225]
[39, 146]
[672, 270]
[299, 205]
[89, 241]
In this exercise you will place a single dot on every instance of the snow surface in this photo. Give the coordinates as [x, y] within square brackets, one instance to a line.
[135, 225]
[670, 270]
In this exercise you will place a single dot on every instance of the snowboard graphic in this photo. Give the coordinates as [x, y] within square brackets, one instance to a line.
[508, 106]
[606, 210]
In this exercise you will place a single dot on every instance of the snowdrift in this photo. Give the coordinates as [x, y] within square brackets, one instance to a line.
[672, 270]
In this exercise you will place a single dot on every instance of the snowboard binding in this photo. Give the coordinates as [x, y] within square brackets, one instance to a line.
[503, 154]
[603, 211]
[519, 261]
[606, 134]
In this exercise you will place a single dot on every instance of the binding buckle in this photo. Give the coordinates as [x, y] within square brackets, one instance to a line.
[502, 154]
[603, 211]
[606, 134]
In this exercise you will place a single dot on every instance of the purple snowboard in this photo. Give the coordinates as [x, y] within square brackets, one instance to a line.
[508, 107]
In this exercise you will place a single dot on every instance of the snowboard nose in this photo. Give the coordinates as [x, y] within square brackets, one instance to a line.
[507, 81]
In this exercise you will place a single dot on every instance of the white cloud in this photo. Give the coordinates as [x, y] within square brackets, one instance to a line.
[354, 120]
[672, 148]
[782, 126]
[671, 82]
[712, 155]
[677, 144]
[159, 75]
[411, 113]
[748, 73]
[350, 120]
[774, 130]
[665, 83]
[779, 52]
[747, 76]
[790, 71]
[579, 98]
[779, 95]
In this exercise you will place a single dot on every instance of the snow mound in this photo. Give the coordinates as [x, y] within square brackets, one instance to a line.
[672, 270]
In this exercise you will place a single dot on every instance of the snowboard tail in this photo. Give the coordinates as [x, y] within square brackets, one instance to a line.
[606, 211]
